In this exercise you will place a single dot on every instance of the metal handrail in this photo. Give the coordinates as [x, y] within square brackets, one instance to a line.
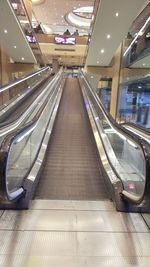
[136, 126]
[6, 87]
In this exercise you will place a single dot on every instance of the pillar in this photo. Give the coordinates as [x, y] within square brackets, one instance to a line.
[115, 82]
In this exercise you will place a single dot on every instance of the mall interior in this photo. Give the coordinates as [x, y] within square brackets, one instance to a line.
[74, 133]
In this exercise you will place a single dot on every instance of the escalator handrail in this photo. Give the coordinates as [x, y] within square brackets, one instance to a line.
[8, 86]
[6, 147]
[144, 145]
[15, 101]
[136, 126]
[16, 123]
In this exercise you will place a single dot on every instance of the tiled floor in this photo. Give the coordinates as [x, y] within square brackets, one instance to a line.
[73, 234]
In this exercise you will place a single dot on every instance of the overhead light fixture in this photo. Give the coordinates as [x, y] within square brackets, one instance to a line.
[5, 31]
[143, 64]
[15, 46]
[85, 9]
[97, 62]
[102, 51]
[117, 14]
[22, 58]
[108, 36]
[75, 20]
[78, 16]
[37, 2]
[92, 77]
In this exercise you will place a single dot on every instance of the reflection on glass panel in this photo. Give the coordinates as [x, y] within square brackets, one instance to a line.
[134, 89]
[105, 96]
[134, 103]
[104, 91]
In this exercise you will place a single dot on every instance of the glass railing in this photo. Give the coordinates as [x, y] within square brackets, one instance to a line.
[137, 43]
[134, 102]
[127, 155]
[16, 89]
[24, 19]
[19, 149]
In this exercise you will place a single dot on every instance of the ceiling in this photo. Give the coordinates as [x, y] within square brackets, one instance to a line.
[12, 38]
[112, 21]
[106, 24]
[52, 13]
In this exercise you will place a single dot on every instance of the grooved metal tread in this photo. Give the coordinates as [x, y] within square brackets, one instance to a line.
[72, 168]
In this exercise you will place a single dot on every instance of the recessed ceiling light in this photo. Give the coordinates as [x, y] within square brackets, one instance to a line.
[37, 2]
[117, 14]
[102, 51]
[5, 31]
[108, 36]
[22, 58]
[143, 64]
[62, 16]
[92, 77]
[97, 62]
[15, 46]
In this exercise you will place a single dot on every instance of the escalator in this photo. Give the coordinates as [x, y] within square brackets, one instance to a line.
[72, 168]
[72, 150]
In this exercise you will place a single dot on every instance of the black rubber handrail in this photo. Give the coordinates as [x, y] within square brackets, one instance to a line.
[144, 145]
[4, 153]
